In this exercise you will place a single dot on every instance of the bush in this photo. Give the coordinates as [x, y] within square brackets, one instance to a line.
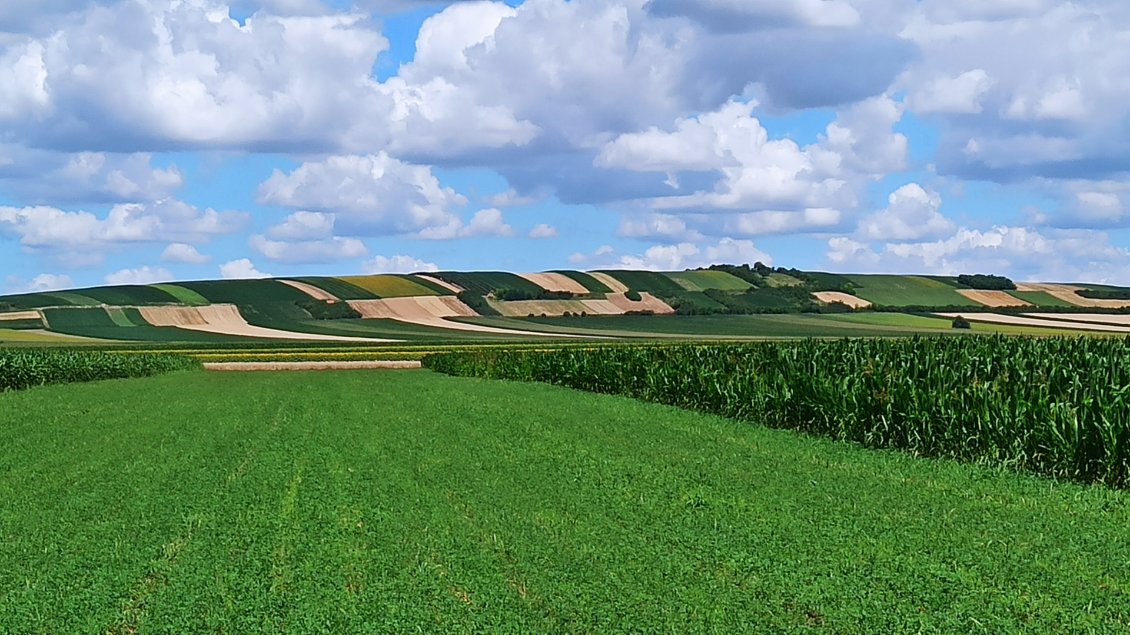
[985, 282]
[961, 323]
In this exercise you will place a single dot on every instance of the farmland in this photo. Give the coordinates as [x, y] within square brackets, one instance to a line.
[889, 290]
[319, 502]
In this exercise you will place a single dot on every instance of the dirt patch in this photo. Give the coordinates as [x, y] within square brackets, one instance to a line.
[610, 282]
[828, 297]
[647, 302]
[454, 288]
[1019, 320]
[993, 298]
[431, 311]
[356, 365]
[312, 291]
[555, 282]
[225, 319]
[21, 315]
[1069, 293]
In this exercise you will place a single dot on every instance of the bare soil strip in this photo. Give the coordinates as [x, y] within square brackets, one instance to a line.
[20, 315]
[993, 298]
[610, 282]
[1069, 293]
[312, 291]
[828, 297]
[355, 365]
[454, 288]
[1092, 318]
[997, 318]
[555, 282]
[647, 302]
[226, 320]
[431, 311]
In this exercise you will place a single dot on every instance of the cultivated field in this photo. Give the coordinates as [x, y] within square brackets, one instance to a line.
[342, 502]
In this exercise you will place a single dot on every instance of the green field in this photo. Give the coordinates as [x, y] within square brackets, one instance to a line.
[129, 295]
[1041, 299]
[337, 502]
[183, 295]
[125, 325]
[650, 281]
[703, 280]
[483, 282]
[245, 291]
[339, 288]
[887, 290]
[393, 286]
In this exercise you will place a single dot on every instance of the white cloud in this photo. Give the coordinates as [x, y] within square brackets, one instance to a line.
[911, 214]
[511, 198]
[487, 222]
[309, 251]
[1022, 252]
[147, 74]
[240, 269]
[397, 264]
[139, 275]
[49, 282]
[53, 228]
[304, 226]
[542, 230]
[952, 95]
[368, 196]
[661, 227]
[183, 253]
[673, 257]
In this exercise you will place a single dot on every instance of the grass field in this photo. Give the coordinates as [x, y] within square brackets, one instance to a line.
[1040, 298]
[888, 290]
[340, 502]
[703, 280]
[650, 281]
[339, 288]
[183, 295]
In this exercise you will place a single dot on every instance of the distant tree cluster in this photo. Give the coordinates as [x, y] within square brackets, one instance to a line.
[516, 295]
[986, 282]
[325, 310]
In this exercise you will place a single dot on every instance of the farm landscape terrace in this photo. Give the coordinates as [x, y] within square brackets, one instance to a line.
[734, 449]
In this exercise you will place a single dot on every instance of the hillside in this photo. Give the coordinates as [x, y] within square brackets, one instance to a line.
[503, 306]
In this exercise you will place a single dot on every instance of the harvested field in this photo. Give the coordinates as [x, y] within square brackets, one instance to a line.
[20, 315]
[828, 297]
[1068, 293]
[327, 365]
[225, 319]
[992, 298]
[647, 302]
[523, 308]
[311, 290]
[1093, 318]
[555, 282]
[431, 311]
[443, 283]
[997, 318]
[609, 281]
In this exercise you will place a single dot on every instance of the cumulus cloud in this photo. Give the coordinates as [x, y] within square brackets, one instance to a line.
[1025, 253]
[308, 251]
[735, 15]
[911, 214]
[241, 268]
[139, 275]
[47, 282]
[542, 230]
[184, 254]
[674, 257]
[53, 228]
[397, 264]
[369, 195]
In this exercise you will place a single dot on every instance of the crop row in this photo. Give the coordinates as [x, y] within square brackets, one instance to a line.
[1055, 406]
[25, 368]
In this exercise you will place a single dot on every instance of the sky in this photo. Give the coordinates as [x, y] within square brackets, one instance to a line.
[153, 140]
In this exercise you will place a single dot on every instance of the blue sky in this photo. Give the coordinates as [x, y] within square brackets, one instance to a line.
[146, 140]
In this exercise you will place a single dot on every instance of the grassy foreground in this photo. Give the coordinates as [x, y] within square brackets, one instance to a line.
[347, 502]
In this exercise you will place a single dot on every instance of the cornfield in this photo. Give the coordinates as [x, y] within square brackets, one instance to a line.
[1057, 406]
[34, 367]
